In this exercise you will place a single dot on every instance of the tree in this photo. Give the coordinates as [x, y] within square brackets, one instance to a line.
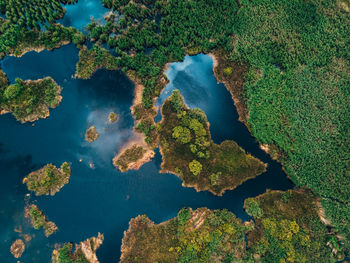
[182, 134]
[195, 167]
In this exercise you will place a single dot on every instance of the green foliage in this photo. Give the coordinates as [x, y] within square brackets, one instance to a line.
[182, 134]
[228, 70]
[214, 177]
[299, 102]
[31, 14]
[194, 236]
[289, 231]
[168, 28]
[252, 208]
[48, 180]
[30, 100]
[38, 220]
[195, 167]
[94, 59]
[17, 40]
[129, 156]
[66, 255]
[184, 215]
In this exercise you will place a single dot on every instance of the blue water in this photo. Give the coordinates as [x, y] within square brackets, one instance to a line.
[80, 14]
[101, 199]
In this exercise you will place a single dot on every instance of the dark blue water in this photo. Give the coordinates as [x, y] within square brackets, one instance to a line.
[101, 199]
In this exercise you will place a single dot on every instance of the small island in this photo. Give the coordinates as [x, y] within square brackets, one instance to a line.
[48, 180]
[189, 152]
[287, 229]
[85, 252]
[91, 134]
[29, 100]
[39, 220]
[132, 158]
[17, 248]
[112, 117]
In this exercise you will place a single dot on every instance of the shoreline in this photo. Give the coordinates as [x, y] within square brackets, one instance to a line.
[39, 49]
[242, 117]
[42, 107]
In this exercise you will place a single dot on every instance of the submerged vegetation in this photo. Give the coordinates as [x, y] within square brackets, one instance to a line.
[85, 252]
[38, 220]
[91, 134]
[287, 229]
[188, 151]
[48, 180]
[29, 100]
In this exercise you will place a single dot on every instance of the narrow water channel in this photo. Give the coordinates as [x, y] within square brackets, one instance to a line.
[99, 198]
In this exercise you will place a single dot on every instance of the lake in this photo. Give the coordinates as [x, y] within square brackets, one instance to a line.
[102, 199]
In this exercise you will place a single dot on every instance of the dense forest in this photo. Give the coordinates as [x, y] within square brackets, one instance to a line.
[296, 88]
[33, 13]
[297, 92]
[28, 25]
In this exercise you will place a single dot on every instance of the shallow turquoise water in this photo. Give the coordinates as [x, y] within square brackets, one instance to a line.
[101, 199]
[80, 14]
